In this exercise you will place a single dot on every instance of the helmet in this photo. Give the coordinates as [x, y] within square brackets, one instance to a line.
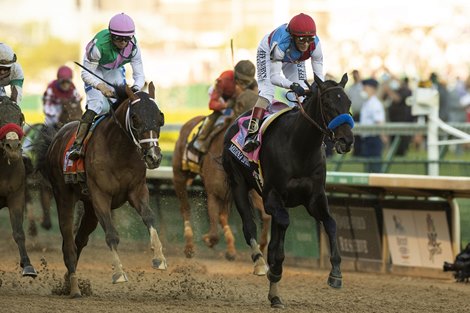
[121, 25]
[245, 72]
[7, 56]
[64, 73]
[302, 25]
[226, 84]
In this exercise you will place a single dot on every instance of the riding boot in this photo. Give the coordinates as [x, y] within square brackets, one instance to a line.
[202, 143]
[251, 139]
[75, 151]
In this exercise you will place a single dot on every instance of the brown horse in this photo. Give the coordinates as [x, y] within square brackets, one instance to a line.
[122, 146]
[34, 137]
[12, 176]
[213, 177]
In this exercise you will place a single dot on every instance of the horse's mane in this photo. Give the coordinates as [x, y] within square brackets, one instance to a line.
[121, 95]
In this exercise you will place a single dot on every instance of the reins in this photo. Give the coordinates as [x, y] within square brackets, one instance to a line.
[325, 130]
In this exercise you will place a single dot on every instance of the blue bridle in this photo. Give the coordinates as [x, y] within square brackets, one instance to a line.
[341, 119]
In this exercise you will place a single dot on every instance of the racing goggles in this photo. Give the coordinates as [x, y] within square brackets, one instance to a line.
[121, 38]
[305, 39]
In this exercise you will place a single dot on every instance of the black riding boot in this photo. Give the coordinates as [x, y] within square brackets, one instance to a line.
[202, 143]
[251, 139]
[75, 151]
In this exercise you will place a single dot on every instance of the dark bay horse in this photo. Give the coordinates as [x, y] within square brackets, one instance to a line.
[293, 165]
[123, 145]
[12, 176]
[213, 177]
[34, 139]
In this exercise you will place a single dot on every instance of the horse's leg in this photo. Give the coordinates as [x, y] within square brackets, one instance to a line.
[213, 205]
[65, 202]
[279, 223]
[257, 202]
[46, 196]
[139, 199]
[229, 238]
[16, 206]
[87, 225]
[32, 228]
[319, 209]
[242, 203]
[179, 183]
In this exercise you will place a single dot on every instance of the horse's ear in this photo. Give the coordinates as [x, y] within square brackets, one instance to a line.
[344, 80]
[152, 90]
[317, 79]
[130, 94]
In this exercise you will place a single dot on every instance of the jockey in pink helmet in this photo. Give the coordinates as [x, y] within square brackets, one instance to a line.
[284, 50]
[105, 56]
[11, 73]
[59, 91]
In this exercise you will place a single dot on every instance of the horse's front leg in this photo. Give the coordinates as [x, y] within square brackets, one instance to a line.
[102, 205]
[16, 206]
[279, 223]
[139, 199]
[319, 209]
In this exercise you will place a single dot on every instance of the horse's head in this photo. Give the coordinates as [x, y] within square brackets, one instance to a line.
[143, 121]
[335, 107]
[11, 131]
[71, 111]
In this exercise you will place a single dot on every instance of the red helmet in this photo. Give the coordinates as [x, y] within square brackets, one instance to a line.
[302, 25]
[64, 73]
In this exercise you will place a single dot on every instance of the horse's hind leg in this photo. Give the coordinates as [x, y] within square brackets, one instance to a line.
[242, 203]
[16, 206]
[88, 223]
[179, 183]
[213, 206]
[229, 238]
[139, 199]
[257, 203]
[46, 196]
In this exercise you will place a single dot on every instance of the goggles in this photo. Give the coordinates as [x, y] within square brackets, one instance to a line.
[305, 39]
[8, 62]
[121, 38]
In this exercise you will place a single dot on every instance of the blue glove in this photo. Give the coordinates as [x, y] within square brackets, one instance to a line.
[299, 90]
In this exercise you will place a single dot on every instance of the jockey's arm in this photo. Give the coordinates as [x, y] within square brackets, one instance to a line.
[277, 79]
[317, 61]
[138, 70]
[16, 83]
[91, 62]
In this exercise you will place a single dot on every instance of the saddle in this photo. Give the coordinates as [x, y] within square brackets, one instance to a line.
[74, 171]
[251, 159]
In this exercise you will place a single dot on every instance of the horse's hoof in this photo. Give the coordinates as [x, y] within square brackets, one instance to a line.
[120, 278]
[210, 241]
[76, 295]
[29, 271]
[230, 256]
[276, 303]
[335, 282]
[159, 264]
[189, 252]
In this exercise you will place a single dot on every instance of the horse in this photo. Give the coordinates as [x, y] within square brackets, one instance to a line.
[34, 138]
[213, 177]
[12, 176]
[123, 144]
[293, 164]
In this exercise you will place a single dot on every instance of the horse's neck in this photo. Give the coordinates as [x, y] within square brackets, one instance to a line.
[304, 131]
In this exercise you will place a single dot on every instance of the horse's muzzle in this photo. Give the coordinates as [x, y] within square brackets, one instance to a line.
[12, 147]
[152, 160]
[342, 147]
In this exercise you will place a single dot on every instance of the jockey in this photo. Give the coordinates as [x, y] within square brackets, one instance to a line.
[228, 86]
[11, 74]
[57, 93]
[284, 50]
[106, 56]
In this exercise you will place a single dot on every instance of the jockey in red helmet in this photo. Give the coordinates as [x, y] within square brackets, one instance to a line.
[284, 50]
[11, 74]
[105, 55]
[59, 91]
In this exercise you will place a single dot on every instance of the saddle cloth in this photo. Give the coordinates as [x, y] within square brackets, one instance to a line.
[251, 159]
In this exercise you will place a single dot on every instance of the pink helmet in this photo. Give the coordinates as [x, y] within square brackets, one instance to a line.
[64, 73]
[121, 25]
[302, 25]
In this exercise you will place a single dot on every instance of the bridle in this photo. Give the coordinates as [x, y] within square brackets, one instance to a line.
[327, 130]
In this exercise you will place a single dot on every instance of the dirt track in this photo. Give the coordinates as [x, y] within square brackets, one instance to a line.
[207, 285]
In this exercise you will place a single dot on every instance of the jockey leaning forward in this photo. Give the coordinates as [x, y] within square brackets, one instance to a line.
[58, 92]
[106, 56]
[284, 50]
[223, 95]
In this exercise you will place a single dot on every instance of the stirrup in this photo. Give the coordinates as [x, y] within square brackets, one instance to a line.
[251, 143]
[75, 153]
